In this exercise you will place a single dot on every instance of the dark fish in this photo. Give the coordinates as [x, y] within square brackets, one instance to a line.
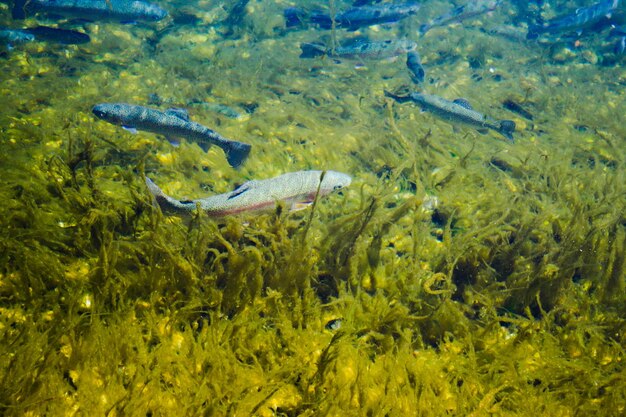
[517, 108]
[118, 10]
[297, 190]
[458, 14]
[416, 70]
[360, 49]
[582, 18]
[458, 111]
[355, 17]
[173, 123]
[62, 36]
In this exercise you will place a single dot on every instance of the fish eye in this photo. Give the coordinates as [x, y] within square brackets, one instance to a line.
[337, 187]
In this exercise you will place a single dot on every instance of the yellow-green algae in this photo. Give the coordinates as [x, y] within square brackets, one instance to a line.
[508, 299]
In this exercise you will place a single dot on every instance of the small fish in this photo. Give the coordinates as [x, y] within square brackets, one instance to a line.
[471, 9]
[517, 108]
[355, 17]
[118, 10]
[171, 123]
[575, 22]
[62, 36]
[360, 49]
[296, 189]
[457, 111]
[416, 70]
[43, 33]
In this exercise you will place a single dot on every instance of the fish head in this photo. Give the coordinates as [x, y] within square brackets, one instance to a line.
[111, 112]
[334, 181]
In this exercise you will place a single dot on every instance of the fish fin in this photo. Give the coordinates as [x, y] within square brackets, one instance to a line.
[153, 188]
[483, 131]
[237, 153]
[300, 205]
[463, 103]
[312, 50]
[130, 129]
[241, 189]
[506, 128]
[173, 141]
[204, 146]
[182, 114]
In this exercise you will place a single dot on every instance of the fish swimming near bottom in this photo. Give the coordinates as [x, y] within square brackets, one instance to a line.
[97, 10]
[582, 18]
[469, 10]
[416, 70]
[296, 190]
[43, 33]
[359, 49]
[458, 111]
[173, 123]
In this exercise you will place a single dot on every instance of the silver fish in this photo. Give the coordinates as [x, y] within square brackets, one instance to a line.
[171, 123]
[360, 49]
[471, 9]
[119, 10]
[457, 111]
[580, 19]
[296, 189]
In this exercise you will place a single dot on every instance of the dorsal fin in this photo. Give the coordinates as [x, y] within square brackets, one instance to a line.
[463, 103]
[178, 112]
[241, 189]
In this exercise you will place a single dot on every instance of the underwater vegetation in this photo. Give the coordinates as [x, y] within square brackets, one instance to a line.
[459, 274]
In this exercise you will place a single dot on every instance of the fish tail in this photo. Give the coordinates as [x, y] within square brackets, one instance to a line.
[166, 202]
[236, 153]
[506, 128]
[293, 16]
[399, 99]
[312, 50]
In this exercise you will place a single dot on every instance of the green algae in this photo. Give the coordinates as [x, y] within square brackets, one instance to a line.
[506, 297]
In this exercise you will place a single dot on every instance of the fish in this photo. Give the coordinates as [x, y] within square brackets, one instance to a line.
[416, 70]
[173, 123]
[471, 9]
[359, 49]
[117, 10]
[62, 36]
[353, 18]
[458, 111]
[517, 108]
[296, 190]
[582, 18]
[43, 33]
